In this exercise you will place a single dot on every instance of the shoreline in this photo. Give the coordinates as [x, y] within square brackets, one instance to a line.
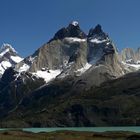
[69, 135]
[78, 129]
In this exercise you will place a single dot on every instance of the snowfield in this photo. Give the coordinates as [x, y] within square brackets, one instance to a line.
[47, 75]
[16, 59]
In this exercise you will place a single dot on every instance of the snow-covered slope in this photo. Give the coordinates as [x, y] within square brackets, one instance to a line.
[8, 57]
[47, 75]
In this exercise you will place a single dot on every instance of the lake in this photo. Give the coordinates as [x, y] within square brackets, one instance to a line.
[89, 129]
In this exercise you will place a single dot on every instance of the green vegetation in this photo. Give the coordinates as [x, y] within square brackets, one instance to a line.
[63, 104]
[68, 135]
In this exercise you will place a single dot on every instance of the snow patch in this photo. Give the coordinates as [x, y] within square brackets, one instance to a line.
[16, 76]
[24, 67]
[74, 39]
[47, 75]
[1, 70]
[97, 41]
[85, 68]
[3, 52]
[75, 23]
[31, 59]
[6, 64]
[136, 66]
[138, 62]
[16, 59]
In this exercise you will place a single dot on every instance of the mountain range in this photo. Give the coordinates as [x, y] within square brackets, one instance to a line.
[75, 79]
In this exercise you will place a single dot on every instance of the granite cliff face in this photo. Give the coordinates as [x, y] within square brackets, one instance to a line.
[128, 55]
[72, 52]
[130, 58]
[103, 51]
[138, 55]
[67, 46]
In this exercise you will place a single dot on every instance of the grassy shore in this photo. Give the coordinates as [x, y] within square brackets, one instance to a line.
[68, 135]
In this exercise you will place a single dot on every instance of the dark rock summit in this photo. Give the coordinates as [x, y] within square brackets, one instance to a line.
[73, 30]
[97, 32]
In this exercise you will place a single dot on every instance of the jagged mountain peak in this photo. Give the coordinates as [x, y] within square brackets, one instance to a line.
[72, 30]
[8, 57]
[7, 48]
[97, 29]
[70, 52]
[97, 32]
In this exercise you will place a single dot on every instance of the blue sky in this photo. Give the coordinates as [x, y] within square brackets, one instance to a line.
[27, 24]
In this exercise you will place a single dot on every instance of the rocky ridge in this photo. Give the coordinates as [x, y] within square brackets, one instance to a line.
[71, 52]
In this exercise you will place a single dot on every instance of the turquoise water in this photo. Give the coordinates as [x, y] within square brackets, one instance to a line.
[89, 129]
